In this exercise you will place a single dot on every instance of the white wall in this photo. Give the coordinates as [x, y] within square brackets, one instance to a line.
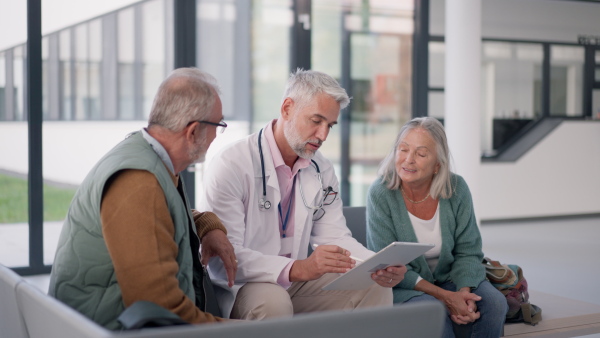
[548, 20]
[558, 176]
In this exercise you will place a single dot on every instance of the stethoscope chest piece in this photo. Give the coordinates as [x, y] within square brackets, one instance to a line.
[264, 204]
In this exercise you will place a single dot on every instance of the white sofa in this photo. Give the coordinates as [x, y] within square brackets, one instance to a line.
[31, 313]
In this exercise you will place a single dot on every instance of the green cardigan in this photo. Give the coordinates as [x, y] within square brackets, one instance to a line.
[460, 256]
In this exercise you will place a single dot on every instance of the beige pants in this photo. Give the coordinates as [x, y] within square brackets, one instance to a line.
[266, 300]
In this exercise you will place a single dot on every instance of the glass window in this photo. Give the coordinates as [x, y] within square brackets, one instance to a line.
[326, 57]
[437, 57]
[95, 69]
[380, 58]
[2, 87]
[217, 32]
[566, 80]
[436, 105]
[45, 78]
[14, 162]
[596, 104]
[81, 72]
[126, 58]
[66, 110]
[511, 82]
[271, 22]
[597, 75]
[381, 104]
[153, 18]
[327, 37]
[19, 82]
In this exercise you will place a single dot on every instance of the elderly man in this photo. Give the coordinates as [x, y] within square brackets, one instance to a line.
[129, 234]
[276, 194]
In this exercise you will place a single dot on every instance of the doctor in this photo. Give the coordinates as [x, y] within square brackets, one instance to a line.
[276, 194]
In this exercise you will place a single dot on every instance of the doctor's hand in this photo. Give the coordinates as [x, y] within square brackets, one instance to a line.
[215, 243]
[324, 259]
[390, 276]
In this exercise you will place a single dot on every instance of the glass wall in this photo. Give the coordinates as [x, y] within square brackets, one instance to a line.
[19, 83]
[595, 113]
[153, 55]
[65, 70]
[271, 22]
[81, 72]
[135, 63]
[14, 162]
[95, 69]
[566, 80]
[379, 54]
[126, 67]
[2, 86]
[512, 86]
[511, 89]
[596, 104]
[326, 38]
[217, 48]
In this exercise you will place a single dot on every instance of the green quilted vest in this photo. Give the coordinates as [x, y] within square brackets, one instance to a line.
[83, 275]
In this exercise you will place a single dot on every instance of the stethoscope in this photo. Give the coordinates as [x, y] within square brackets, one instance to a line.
[265, 204]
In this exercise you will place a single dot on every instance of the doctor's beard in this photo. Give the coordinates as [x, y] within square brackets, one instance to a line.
[296, 143]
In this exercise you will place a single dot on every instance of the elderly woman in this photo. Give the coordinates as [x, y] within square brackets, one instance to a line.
[417, 199]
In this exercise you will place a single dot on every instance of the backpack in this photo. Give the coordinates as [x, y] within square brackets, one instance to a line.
[508, 279]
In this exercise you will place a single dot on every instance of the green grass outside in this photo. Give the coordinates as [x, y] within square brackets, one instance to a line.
[14, 201]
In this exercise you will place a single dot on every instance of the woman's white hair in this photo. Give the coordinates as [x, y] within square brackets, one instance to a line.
[441, 187]
[187, 94]
[303, 85]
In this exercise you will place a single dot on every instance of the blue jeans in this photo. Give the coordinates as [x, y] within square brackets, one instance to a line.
[492, 308]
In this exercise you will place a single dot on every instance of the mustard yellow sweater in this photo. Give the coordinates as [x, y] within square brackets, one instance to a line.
[139, 232]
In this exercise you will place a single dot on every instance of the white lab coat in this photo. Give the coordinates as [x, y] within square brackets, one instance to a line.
[233, 188]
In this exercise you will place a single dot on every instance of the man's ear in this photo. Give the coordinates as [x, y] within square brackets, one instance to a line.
[191, 132]
[287, 108]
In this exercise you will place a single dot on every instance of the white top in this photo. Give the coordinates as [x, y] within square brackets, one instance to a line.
[428, 231]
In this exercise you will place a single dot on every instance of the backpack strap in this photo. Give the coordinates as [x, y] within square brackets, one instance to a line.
[498, 273]
[531, 313]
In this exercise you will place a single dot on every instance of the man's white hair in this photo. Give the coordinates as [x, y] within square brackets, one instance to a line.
[187, 94]
[303, 85]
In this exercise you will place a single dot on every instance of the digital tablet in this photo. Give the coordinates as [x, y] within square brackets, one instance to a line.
[397, 253]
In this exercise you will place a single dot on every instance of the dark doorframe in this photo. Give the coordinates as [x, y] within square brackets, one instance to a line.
[590, 82]
[33, 83]
[346, 83]
[300, 41]
[185, 56]
[420, 75]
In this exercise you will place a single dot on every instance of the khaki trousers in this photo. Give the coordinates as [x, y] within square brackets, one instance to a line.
[257, 301]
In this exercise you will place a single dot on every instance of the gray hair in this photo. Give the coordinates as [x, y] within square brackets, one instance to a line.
[187, 94]
[441, 185]
[303, 85]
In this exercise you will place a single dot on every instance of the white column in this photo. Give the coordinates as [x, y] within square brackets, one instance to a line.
[462, 89]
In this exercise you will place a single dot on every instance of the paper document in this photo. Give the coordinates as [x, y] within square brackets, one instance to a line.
[397, 253]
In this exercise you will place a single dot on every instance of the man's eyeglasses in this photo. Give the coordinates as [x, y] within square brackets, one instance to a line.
[328, 198]
[220, 126]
